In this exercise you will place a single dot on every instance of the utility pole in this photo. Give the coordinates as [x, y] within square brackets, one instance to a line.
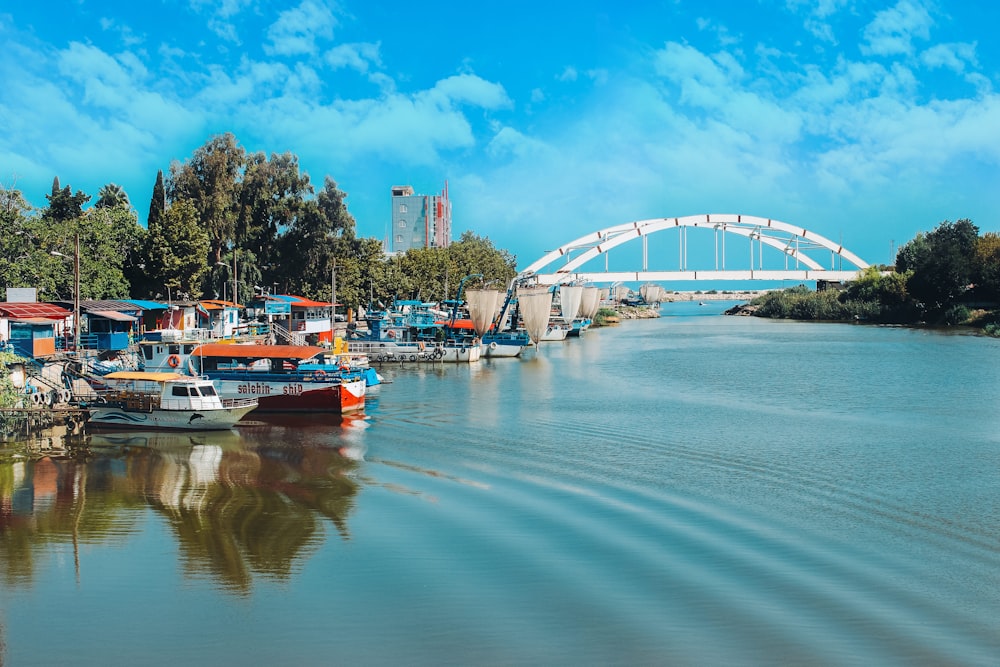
[333, 300]
[76, 294]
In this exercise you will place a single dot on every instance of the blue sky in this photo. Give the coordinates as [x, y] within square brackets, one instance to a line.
[865, 122]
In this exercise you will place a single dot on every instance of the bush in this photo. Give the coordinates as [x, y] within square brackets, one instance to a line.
[955, 314]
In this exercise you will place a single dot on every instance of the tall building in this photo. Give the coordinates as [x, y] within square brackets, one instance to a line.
[420, 221]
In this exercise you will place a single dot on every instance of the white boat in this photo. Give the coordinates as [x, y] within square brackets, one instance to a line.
[556, 331]
[143, 400]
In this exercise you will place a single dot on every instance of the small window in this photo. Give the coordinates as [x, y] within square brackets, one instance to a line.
[208, 390]
[178, 391]
[402, 208]
[402, 224]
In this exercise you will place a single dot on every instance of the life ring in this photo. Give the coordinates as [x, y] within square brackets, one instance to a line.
[173, 361]
[493, 345]
[391, 334]
[320, 375]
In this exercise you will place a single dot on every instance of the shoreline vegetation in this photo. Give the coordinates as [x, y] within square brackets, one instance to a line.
[947, 277]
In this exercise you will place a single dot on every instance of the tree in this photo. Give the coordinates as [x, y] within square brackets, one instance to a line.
[986, 271]
[476, 254]
[20, 252]
[112, 195]
[271, 197]
[880, 297]
[941, 264]
[65, 206]
[158, 204]
[177, 251]
[209, 182]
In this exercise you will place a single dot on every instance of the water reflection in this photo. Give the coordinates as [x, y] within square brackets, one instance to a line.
[240, 504]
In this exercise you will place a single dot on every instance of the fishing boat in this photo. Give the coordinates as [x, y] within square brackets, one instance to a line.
[556, 331]
[504, 344]
[411, 331]
[145, 400]
[579, 325]
[271, 374]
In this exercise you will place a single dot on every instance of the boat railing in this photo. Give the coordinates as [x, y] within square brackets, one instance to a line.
[131, 400]
[231, 403]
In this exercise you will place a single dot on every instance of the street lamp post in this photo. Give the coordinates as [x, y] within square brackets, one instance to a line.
[76, 290]
[235, 279]
[333, 300]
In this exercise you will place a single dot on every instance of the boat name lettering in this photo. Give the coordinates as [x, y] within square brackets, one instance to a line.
[254, 388]
[292, 389]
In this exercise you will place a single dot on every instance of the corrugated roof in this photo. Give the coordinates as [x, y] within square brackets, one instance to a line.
[88, 305]
[218, 304]
[149, 305]
[114, 315]
[36, 309]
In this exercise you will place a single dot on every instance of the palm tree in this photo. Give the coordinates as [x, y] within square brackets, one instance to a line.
[111, 195]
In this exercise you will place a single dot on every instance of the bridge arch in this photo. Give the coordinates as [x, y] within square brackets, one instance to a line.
[793, 242]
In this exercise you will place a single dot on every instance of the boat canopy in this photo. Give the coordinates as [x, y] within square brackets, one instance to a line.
[251, 351]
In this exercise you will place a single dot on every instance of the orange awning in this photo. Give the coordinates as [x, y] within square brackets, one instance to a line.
[250, 351]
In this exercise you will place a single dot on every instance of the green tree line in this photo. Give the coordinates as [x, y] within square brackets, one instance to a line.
[950, 275]
[221, 208]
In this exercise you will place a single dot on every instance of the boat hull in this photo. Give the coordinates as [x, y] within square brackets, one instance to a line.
[184, 420]
[499, 350]
[281, 395]
[382, 351]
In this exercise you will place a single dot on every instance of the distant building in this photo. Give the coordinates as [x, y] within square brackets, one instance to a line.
[419, 221]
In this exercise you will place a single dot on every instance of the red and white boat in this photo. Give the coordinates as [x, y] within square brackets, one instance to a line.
[270, 374]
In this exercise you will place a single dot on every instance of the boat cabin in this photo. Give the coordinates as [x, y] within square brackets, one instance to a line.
[166, 391]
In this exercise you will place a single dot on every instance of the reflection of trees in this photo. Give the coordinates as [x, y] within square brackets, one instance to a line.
[42, 503]
[237, 510]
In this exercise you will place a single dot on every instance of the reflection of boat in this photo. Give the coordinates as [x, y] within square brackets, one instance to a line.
[135, 399]
[270, 373]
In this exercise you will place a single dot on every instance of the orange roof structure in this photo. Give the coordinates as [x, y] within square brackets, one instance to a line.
[252, 351]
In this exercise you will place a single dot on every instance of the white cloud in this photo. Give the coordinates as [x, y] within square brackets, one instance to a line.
[467, 89]
[357, 56]
[893, 30]
[568, 74]
[509, 142]
[953, 56]
[297, 30]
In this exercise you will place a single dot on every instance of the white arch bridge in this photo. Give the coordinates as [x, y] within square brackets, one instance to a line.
[802, 252]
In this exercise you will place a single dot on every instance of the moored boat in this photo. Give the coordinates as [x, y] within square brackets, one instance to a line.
[555, 331]
[144, 400]
[505, 344]
[271, 374]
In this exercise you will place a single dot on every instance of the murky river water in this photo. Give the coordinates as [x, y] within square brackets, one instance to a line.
[692, 490]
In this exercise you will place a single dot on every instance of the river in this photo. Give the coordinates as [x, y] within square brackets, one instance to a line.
[689, 490]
